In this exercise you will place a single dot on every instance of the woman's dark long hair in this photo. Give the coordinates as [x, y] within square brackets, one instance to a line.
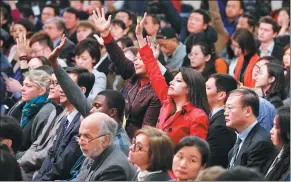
[197, 89]
[209, 68]
[283, 122]
[278, 86]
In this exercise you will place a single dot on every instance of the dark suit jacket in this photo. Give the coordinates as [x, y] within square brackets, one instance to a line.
[68, 153]
[277, 52]
[257, 150]
[220, 139]
[68, 49]
[110, 165]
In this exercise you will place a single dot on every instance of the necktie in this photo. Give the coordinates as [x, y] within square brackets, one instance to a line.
[63, 131]
[235, 152]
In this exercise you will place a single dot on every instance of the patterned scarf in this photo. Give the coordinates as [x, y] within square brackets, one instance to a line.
[31, 108]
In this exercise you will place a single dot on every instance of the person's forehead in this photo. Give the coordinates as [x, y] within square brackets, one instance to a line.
[48, 9]
[53, 77]
[234, 98]
[266, 25]
[100, 99]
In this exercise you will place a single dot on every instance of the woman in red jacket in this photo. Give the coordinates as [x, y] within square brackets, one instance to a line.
[184, 109]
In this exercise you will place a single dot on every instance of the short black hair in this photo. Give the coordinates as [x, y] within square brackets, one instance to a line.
[72, 11]
[130, 14]
[251, 19]
[245, 40]
[125, 41]
[155, 18]
[9, 168]
[84, 78]
[43, 39]
[248, 98]
[119, 23]
[204, 13]
[241, 173]
[194, 141]
[224, 82]
[90, 45]
[114, 99]
[54, 7]
[10, 129]
[271, 21]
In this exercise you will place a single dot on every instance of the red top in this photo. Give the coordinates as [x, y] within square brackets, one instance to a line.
[248, 79]
[190, 121]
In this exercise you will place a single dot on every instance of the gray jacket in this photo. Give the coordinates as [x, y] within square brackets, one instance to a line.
[110, 165]
[32, 160]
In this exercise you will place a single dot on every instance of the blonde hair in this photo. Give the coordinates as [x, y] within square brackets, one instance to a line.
[40, 78]
[210, 174]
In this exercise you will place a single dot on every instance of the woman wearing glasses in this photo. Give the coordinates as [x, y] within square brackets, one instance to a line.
[201, 59]
[152, 152]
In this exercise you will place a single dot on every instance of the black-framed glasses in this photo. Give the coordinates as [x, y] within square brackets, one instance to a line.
[87, 140]
[137, 147]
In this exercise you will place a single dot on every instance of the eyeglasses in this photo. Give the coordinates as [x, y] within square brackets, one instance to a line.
[190, 55]
[136, 147]
[87, 140]
[34, 52]
[54, 83]
[230, 108]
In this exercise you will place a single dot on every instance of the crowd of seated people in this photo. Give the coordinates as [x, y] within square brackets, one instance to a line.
[95, 90]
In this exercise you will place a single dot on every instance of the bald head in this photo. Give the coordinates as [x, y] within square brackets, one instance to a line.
[99, 123]
[96, 132]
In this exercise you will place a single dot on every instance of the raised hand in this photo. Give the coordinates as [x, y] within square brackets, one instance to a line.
[102, 25]
[56, 53]
[99, 39]
[154, 46]
[138, 31]
[21, 45]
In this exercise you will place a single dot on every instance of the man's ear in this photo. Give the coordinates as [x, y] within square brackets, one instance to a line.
[221, 96]
[106, 141]
[112, 112]
[83, 89]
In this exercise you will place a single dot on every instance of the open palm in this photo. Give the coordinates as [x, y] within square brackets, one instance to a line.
[102, 25]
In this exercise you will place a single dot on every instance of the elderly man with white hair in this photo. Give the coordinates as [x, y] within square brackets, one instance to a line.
[105, 161]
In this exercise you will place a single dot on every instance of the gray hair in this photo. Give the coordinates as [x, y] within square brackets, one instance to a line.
[60, 24]
[108, 126]
[40, 78]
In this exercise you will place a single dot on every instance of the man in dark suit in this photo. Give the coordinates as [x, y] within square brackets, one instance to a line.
[55, 28]
[220, 138]
[268, 30]
[105, 161]
[65, 150]
[253, 147]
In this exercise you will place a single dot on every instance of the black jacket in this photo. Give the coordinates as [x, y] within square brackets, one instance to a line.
[256, 151]
[220, 139]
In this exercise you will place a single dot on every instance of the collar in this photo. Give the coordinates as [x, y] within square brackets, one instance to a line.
[143, 174]
[56, 42]
[270, 47]
[216, 110]
[143, 81]
[243, 135]
[71, 116]
[98, 160]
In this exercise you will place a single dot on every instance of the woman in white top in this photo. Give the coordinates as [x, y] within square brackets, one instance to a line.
[87, 55]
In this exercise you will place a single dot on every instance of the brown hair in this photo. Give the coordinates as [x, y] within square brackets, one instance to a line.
[87, 24]
[210, 174]
[270, 20]
[161, 150]
[41, 37]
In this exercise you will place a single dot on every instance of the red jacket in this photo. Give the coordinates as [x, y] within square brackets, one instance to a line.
[190, 121]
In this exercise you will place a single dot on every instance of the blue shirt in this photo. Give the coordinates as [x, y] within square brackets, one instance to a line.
[267, 114]
[243, 135]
